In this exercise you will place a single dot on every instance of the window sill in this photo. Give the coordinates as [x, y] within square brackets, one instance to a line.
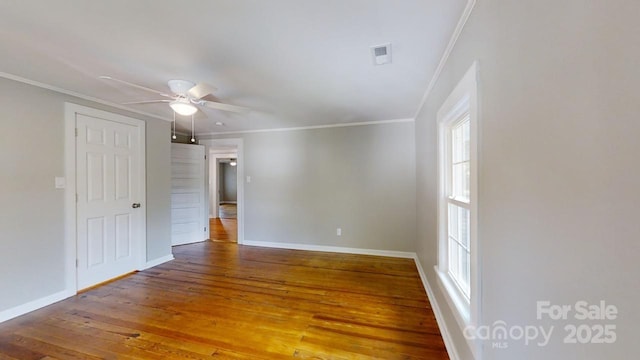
[457, 302]
[460, 307]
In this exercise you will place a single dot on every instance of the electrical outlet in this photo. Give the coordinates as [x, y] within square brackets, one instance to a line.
[339, 231]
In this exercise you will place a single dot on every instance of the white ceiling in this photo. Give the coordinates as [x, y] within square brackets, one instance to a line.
[296, 62]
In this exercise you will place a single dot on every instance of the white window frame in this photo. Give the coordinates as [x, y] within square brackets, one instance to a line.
[462, 101]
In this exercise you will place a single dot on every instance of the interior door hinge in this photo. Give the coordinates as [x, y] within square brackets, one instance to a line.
[76, 132]
[205, 229]
[76, 197]
[77, 262]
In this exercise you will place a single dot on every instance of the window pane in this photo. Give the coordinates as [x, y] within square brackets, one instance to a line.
[458, 238]
[466, 136]
[454, 258]
[456, 143]
[459, 228]
[457, 180]
[460, 178]
[460, 162]
[463, 230]
[460, 141]
[465, 271]
[466, 184]
[453, 221]
[460, 266]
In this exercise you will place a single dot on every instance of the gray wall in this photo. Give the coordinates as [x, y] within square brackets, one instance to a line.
[228, 182]
[32, 211]
[305, 184]
[158, 188]
[558, 178]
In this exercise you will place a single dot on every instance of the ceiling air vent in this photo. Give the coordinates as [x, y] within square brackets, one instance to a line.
[381, 54]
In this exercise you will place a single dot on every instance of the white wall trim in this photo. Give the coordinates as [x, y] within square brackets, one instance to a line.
[70, 217]
[157, 262]
[442, 325]
[363, 123]
[336, 249]
[34, 305]
[447, 51]
[78, 95]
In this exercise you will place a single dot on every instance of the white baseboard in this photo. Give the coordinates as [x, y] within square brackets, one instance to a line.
[34, 305]
[336, 249]
[158, 261]
[59, 296]
[446, 335]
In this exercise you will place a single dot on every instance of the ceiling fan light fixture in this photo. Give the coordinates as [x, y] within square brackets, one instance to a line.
[183, 107]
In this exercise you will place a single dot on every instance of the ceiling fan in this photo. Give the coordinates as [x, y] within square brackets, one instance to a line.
[184, 98]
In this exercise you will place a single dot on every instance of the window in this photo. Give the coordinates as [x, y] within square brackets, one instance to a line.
[458, 268]
[457, 193]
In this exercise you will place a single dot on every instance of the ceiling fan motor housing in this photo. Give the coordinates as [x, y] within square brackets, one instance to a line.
[180, 87]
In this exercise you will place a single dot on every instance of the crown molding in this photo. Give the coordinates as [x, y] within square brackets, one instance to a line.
[447, 51]
[77, 95]
[363, 123]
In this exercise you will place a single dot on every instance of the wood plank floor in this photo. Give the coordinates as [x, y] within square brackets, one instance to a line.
[228, 211]
[225, 301]
[224, 228]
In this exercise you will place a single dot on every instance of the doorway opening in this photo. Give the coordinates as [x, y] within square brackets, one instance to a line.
[225, 185]
[223, 226]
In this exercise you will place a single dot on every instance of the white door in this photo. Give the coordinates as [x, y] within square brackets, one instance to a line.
[187, 194]
[109, 177]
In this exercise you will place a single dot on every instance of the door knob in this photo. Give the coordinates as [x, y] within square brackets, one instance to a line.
[135, 205]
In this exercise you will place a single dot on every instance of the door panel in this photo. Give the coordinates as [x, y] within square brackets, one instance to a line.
[108, 177]
[95, 241]
[123, 236]
[123, 177]
[187, 194]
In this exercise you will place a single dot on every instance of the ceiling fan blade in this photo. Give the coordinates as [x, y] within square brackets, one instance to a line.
[201, 90]
[226, 107]
[146, 102]
[135, 86]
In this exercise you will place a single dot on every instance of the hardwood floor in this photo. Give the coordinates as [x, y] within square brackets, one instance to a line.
[225, 301]
[225, 228]
[228, 211]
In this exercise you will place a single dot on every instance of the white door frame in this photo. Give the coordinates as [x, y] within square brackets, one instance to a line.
[212, 143]
[215, 183]
[70, 111]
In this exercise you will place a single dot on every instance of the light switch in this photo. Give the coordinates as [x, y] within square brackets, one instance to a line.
[248, 178]
[60, 182]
